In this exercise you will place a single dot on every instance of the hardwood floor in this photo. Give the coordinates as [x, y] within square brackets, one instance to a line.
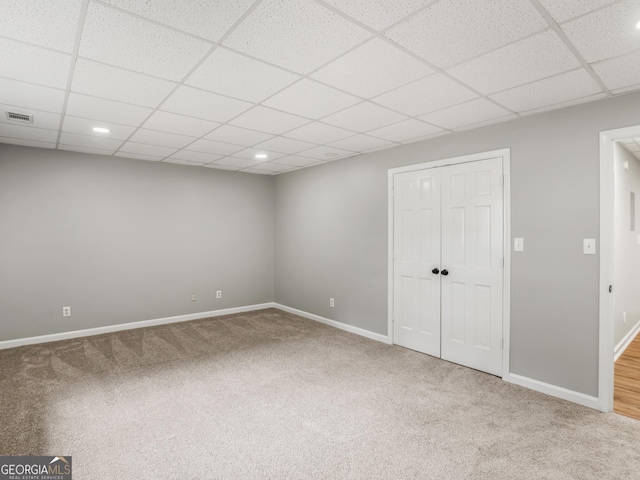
[626, 392]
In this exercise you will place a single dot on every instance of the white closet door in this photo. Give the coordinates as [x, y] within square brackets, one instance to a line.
[416, 304]
[472, 255]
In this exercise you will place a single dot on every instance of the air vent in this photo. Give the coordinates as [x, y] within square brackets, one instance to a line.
[19, 117]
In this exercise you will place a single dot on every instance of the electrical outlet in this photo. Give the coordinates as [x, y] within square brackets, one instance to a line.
[332, 303]
[219, 294]
[66, 311]
[194, 297]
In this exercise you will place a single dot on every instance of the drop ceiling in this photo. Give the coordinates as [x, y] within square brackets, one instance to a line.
[213, 83]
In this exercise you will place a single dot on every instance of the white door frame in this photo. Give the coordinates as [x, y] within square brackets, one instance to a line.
[607, 190]
[505, 154]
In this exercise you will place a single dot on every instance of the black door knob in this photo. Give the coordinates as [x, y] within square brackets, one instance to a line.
[435, 271]
[445, 272]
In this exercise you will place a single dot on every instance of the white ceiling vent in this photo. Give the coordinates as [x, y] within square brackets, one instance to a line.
[19, 117]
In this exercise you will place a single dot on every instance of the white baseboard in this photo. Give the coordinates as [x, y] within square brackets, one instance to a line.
[553, 390]
[129, 326]
[625, 342]
[342, 326]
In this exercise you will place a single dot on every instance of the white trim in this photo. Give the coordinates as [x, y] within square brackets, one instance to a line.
[505, 154]
[554, 391]
[626, 341]
[130, 326]
[334, 323]
[606, 337]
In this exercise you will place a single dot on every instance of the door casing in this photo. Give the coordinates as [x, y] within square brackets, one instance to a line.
[505, 154]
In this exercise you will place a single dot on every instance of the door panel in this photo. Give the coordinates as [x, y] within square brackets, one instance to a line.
[472, 250]
[417, 242]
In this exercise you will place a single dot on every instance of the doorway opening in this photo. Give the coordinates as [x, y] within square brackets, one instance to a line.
[618, 227]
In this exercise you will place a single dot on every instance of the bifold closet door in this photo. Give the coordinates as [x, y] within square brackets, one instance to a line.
[416, 305]
[472, 253]
[448, 249]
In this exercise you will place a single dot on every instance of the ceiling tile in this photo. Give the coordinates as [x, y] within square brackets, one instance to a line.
[484, 123]
[34, 64]
[361, 143]
[109, 144]
[106, 110]
[268, 120]
[469, 113]
[49, 121]
[207, 19]
[113, 83]
[154, 150]
[197, 157]
[619, 72]
[217, 148]
[568, 103]
[378, 14]
[232, 74]
[236, 162]
[221, 167]
[119, 39]
[311, 99]
[326, 153]
[75, 148]
[271, 167]
[452, 31]
[138, 156]
[522, 62]
[284, 33]
[631, 88]
[364, 117]
[57, 22]
[174, 123]
[85, 127]
[256, 171]
[319, 133]
[426, 95]
[615, 27]
[26, 95]
[561, 88]
[403, 131]
[371, 69]
[238, 136]
[26, 143]
[209, 106]
[250, 154]
[179, 161]
[28, 133]
[296, 161]
[285, 145]
[563, 10]
[164, 139]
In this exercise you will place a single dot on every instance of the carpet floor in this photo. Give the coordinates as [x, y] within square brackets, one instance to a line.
[271, 395]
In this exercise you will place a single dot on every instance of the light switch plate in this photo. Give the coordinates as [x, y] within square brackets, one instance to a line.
[518, 244]
[589, 246]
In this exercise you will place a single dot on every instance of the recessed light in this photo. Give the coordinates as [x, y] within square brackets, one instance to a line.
[260, 156]
[101, 130]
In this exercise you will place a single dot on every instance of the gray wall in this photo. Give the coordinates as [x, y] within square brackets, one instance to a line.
[626, 277]
[123, 240]
[331, 231]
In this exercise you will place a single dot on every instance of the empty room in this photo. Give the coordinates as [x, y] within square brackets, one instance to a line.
[320, 239]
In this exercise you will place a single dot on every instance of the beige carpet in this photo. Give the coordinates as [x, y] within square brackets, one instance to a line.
[271, 395]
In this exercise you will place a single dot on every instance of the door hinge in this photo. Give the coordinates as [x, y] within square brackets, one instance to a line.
[502, 181]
